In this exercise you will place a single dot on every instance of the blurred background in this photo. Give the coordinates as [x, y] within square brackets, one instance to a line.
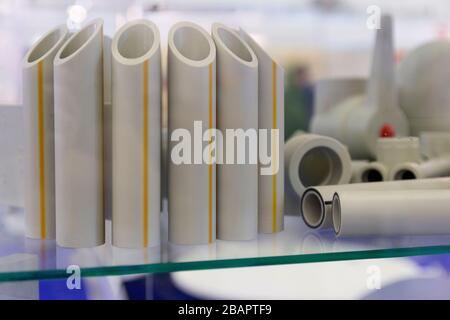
[311, 39]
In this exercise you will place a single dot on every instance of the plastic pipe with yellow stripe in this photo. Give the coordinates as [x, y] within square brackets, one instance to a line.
[39, 134]
[192, 97]
[136, 129]
[78, 72]
[270, 117]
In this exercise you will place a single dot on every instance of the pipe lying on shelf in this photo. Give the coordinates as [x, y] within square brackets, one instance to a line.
[136, 133]
[237, 108]
[38, 103]
[192, 97]
[270, 118]
[313, 160]
[316, 203]
[78, 85]
[371, 172]
[391, 213]
[437, 167]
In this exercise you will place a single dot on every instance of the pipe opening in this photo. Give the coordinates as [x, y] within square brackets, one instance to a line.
[191, 43]
[312, 209]
[371, 175]
[320, 166]
[136, 41]
[44, 46]
[405, 174]
[78, 41]
[336, 213]
[234, 44]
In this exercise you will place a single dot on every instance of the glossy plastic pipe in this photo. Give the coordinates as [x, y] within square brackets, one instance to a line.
[391, 212]
[270, 117]
[38, 102]
[78, 72]
[136, 130]
[316, 202]
[237, 108]
[192, 97]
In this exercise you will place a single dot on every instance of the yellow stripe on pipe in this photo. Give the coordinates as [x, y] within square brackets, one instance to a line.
[210, 166]
[145, 155]
[274, 147]
[41, 137]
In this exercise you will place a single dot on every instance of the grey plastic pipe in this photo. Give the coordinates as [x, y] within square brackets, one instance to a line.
[192, 97]
[391, 213]
[136, 135]
[316, 203]
[270, 117]
[38, 103]
[237, 108]
[437, 167]
[78, 85]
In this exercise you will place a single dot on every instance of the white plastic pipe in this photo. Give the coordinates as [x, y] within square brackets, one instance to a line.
[313, 160]
[392, 151]
[391, 213]
[270, 117]
[237, 108]
[436, 167]
[39, 134]
[356, 167]
[136, 133]
[192, 97]
[78, 88]
[434, 144]
[316, 202]
[371, 172]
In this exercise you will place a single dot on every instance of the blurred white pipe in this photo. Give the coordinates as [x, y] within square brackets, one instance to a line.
[437, 167]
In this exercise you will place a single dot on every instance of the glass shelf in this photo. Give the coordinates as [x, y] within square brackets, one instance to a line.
[26, 259]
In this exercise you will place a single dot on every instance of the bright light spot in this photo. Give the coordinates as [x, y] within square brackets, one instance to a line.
[77, 13]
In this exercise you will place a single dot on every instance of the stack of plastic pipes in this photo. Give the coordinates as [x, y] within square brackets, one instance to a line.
[104, 146]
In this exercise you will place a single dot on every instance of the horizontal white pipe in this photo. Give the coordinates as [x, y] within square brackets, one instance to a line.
[237, 108]
[270, 116]
[435, 144]
[436, 167]
[316, 202]
[391, 213]
[78, 72]
[371, 172]
[136, 135]
[38, 102]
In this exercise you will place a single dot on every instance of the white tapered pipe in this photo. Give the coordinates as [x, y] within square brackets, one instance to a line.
[38, 103]
[316, 202]
[237, 108]
[136, 130]
[192, 98]
[371, 172]
[437, 167]
[391, 213]
[270, 118]
[78, 72]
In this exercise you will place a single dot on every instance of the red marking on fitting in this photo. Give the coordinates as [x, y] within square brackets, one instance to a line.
[387, 131]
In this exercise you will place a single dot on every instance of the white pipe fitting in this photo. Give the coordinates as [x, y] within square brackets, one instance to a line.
[391, 213]
[436, 167]
[392, 151]
[360, 120]
[78, 86]
[38, 103]
[270, 118]
[371, 172]
[316, 202]
[136, 135]
[192, 97]
[313, 160]
[237, 108]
